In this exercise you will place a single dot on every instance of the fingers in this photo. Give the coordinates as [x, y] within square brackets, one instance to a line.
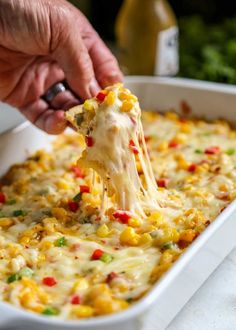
[74, 59]
[49, 120]
[105, 65]
[64, 100]
[88, 64]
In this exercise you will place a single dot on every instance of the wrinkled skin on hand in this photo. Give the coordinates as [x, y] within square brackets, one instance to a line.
[43, 42]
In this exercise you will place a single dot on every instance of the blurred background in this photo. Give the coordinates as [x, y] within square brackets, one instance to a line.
[207, 34]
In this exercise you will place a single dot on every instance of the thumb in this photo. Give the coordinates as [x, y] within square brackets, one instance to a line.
[73, 57]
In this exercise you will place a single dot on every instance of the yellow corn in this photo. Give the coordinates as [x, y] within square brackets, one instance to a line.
[63, 184]
[172, 115]
[163, 146]
[133, 222]
[83, 311]
[187, 235]
[125, 95]
[88, 105]
[129, 237]
[59, 213]
[126, 106]
[169, 235]
[185, 128]
[103, 231]
[110, 98]
[158, 271]
[101, 289]
[145, 239]
[46, 245]
[157, 219]
[90, 199]
[105, 305]
[6, 222]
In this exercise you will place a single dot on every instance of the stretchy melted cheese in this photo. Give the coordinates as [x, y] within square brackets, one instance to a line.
[59, 258]
[112, 125]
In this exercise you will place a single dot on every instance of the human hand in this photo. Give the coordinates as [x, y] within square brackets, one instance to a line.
[43, 42]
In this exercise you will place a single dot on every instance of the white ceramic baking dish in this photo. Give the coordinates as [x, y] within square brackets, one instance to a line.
[168, 296]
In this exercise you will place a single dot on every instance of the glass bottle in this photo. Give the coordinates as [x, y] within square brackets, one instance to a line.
[147, 36]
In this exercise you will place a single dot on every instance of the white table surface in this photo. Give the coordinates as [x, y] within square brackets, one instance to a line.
[213, 307]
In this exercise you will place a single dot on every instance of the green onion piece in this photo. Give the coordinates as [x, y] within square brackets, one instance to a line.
[26, 272]
[198, 151]
[106, 258]
[50, 311]
[60, 242]
[230, 151]
[11, 202]
[79, 118]
[2, 215]
[77, 198]
[85, 220]
[13, 278]
[18, 213]
[167, 246]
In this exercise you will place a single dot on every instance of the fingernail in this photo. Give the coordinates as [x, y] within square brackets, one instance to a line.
[94, 88]
[112, 78]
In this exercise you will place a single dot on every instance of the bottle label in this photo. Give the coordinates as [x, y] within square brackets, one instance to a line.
[167, 53]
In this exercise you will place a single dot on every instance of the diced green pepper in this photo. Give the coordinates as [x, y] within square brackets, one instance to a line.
[61, 242]
[230, 151]
[106, 258]
[198, 151]
[50, 311]
[77, 198]
[13, 278]
[167, 246]
[11, 202]
[79, 118]
[18, 213]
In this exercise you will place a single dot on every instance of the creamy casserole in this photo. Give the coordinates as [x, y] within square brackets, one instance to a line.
[59, 256]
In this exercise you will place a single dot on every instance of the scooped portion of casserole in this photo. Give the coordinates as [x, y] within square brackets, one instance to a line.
[60, 257]
[111, 124]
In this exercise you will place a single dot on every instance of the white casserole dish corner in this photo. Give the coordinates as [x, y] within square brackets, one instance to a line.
[169, 295]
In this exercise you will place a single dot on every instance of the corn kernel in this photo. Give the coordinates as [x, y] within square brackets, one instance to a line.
[59, 213]
[88, 105]
[63, 184]
[125, 95]
[129, 237]
[185, 128]
[110, 98]
[169, 235]
[145, 239]
[223, 187]
[6, 222]
[157, 219]
[163, 146]
[90, 199]
[167, 257]
[46, 245]
[103, 231]
[187, 235]
[83, 311]
[133, 222]
[158, 271]
[172, 115]
[180, 138]
[104, 305]
[100, 290]
[126, 106]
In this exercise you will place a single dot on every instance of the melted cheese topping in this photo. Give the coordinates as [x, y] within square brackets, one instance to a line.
[59, 258]
[114, 132]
